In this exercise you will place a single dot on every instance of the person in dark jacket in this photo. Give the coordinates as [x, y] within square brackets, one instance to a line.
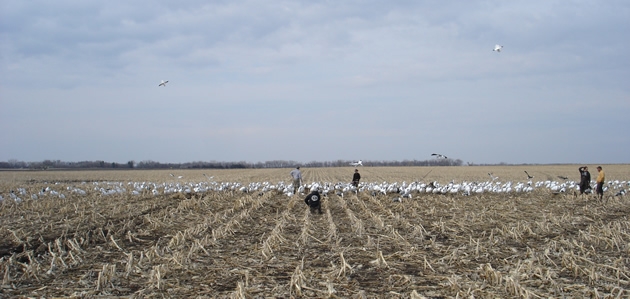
[355, 178]
[585, 179]
[314, 201]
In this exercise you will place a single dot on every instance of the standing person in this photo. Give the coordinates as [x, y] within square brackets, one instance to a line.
[297, 179]
[600, 182]
[585, 179]
[355, 178]
[313, 201]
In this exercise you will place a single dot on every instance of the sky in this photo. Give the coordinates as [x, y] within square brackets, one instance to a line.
[315, 80]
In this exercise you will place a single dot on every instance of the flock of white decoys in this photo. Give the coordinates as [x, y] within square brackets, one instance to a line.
[387, 190]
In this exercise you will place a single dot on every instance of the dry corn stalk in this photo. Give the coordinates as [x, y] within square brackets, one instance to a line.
[332, 228]
[297, 280]
[380, 260]
[427, 264]
[129, 266]
[105, 276]
[344, 266]
[111, 237]
[240, 291]
[155, 278]
[415, 295]
[6, 278]
[490, 275]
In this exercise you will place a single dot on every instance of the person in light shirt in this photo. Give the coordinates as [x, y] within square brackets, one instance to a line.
[297, 179]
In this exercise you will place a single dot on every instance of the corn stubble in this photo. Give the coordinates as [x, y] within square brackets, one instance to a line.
[230, 244]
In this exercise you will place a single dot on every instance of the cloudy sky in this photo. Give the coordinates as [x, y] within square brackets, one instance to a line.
[315, 80]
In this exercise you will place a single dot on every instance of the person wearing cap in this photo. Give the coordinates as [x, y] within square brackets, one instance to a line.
[313, 200]
[297, 179]
[355, 178]
[585, 179]
[599, 190]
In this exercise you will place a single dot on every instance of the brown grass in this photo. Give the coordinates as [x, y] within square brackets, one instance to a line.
[245, 245]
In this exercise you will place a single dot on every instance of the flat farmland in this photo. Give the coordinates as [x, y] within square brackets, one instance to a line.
[237, 234]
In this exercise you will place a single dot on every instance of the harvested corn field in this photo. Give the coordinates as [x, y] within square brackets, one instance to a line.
[199, 234]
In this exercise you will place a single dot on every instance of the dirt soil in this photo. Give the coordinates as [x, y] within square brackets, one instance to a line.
[265, 245]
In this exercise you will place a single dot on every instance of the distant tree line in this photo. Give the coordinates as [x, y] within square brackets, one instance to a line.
[48, 164]
[148, 164]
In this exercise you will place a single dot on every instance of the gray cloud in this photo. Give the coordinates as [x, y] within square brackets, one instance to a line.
[315, 80]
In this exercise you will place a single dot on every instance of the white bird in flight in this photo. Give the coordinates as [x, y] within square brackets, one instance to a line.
[497, 48]
[163, 83]
[357, 163]
[439, 156]
[494, 178]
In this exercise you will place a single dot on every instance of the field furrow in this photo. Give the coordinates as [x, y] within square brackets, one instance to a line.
[243, 237]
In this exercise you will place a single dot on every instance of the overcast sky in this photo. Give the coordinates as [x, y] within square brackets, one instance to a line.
[315, 81]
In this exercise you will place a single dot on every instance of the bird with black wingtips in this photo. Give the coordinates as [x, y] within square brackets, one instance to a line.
[163, 83]
[494, 178]
[439, 156]
[563, 177]
[529, 176]
[497, 48]
[355, 164]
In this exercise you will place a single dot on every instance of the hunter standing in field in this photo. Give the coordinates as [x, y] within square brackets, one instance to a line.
[600, 182]
[355, 178]
[585, 179]
[297, 179]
